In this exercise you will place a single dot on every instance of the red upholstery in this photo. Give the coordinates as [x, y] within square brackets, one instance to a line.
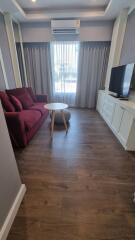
[30, 118]
[16, 91]
[39, 107]
[26, 100]
[16, 129]
[29, 89]
[31, 133]
[20, 91]
[23, 95]
[17, 104]
[24, 124]
[7, 105]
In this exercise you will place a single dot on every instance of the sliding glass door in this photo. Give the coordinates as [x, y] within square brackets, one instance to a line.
[64, 58]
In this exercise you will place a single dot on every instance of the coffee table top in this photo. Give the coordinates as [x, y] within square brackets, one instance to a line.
[56, 106]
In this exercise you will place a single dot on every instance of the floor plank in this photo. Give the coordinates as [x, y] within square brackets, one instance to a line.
[79, 186]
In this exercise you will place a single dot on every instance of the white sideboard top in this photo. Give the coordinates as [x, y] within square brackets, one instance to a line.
[129, 105]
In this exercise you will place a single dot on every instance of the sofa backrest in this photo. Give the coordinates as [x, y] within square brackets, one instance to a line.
[16, 91]
[21, 91]
[23, 95]
[29, 89]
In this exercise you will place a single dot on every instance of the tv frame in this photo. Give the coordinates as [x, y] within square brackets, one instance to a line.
[116, 95]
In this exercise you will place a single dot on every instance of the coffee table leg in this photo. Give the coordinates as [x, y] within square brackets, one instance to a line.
[52, 123]
[64, 120]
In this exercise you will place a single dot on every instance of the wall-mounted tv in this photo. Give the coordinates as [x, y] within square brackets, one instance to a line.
[120, 80]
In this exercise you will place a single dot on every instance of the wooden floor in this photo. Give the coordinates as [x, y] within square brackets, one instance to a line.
[79, 186]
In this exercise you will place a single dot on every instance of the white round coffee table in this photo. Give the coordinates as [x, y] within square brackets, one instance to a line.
[53, 107]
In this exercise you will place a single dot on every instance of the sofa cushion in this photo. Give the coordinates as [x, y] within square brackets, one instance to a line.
[26, 100]
[30, 118]
[39, 107]
[32, 94]
[7, 105]
[23, 95]
[16, 102]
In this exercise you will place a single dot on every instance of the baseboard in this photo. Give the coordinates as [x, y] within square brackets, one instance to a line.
[12, 213]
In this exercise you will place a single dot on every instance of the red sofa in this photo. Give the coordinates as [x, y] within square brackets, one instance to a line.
[24, 114]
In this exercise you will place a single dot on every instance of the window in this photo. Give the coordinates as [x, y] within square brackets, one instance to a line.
[65, 66]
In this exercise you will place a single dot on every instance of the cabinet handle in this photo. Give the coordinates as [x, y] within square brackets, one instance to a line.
[122, 108]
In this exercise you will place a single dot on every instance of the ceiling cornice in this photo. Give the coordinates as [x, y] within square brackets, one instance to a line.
[53, 14]
[109, 13]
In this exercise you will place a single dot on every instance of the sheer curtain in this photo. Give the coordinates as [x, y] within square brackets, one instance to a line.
[93, 59]
[38, 68]
[64, 58]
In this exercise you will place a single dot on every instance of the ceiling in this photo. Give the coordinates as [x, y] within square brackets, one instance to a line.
[58, 4]
[44, 10]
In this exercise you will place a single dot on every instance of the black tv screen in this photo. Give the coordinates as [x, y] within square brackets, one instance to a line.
[120, 80]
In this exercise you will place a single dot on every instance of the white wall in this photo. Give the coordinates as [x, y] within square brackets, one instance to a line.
[89, 31]
[116, 44]
[10, 182]
[128, 48]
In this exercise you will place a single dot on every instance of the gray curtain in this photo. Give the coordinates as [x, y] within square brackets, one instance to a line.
[92, 69]
[38, 67]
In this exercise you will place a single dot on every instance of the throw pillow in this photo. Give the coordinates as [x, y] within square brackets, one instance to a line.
[16, 102]
[26, 100]
[7, 105]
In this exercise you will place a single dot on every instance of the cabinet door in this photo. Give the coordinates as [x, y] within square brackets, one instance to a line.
[117, 117]
[108, 109]
[125, 126]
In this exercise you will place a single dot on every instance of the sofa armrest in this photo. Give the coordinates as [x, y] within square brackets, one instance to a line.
[16, 129]
[42, 98]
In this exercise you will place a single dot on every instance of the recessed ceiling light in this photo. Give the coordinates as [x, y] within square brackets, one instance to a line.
[33, 0]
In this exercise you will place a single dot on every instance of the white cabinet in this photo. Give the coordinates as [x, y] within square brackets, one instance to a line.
[120, 116]
[108, 109]
[117, 117]
[100, 101]
[125, 126]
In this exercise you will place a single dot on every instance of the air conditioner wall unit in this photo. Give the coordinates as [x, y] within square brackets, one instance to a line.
[65, 26]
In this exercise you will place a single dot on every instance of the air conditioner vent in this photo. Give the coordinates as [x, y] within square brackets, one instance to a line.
[65, 26]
